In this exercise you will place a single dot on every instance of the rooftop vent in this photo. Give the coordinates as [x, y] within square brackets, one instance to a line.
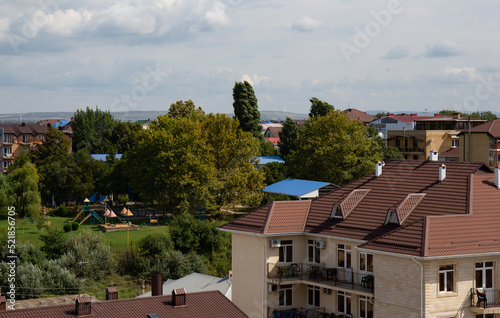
[179, 297]
[111, 293]
[3, 303]
[497, 176]
[434, 155]
[156, 284]
[442, 172]
[83, 306]
[378, 168]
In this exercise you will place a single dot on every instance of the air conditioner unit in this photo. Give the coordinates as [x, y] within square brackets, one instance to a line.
[273, 287]
[320, 244]
[275, 243]
[327, 291]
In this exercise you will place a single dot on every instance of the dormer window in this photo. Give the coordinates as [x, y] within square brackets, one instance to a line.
[392, 217]
[336, 212]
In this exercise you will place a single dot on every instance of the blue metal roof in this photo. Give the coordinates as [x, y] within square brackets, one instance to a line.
[62, 123]
[267, 159]
[295, 187]
[102, 157]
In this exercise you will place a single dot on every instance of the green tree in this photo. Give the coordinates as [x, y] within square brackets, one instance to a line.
[486, 115]
[26, 197]
[388, 153]
[319, 108]
[123, 136]
[288, 137]
[6, 198]
[266, 148]
[245, 108]
[380, 114]
[53, 243]
[233, 153]
[157, 243]
[54, 145]
[274, 172]
[93, 129]
[332, 148]
[185, 109]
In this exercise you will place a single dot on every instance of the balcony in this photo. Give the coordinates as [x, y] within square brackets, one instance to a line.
[409, 150]
[318, 273]
[296, 312]
[486, 302]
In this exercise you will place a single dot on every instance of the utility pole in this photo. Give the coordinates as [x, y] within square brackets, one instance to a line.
[79, 272]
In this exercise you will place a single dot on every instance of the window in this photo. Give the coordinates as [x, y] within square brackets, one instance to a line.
[365, 307]
[344, 256]
[285, 295]
[6, 164]
[484, 275]
[365, 262]
[336, 212]
[313, 295]
[7, 151]
[286, 251]
[344, 302]
[446, 278]
[454, 143]
[313, 252]
[392, 217]
[7, 138]
[26, 138]
[41, 137]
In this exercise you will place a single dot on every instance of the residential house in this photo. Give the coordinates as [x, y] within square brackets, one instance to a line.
[482, 144]
[412, 239]
[358, 115]
[17, 138]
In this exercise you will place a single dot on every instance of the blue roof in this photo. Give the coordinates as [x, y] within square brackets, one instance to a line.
[102, 157]
[62, 123]
[267, 159]
[295, 187]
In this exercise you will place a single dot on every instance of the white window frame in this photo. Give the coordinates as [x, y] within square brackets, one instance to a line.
[444, 277]
[454, 143]
[368, 312]
[346, 250]
[484, 270]
[313, 296]
[286, 251]
[6, 164]
[7, 138]
[336, 212]
[26, 138]
[344, 298]
[7, 150]
[366, 268]
[285, 296]
[313, 253]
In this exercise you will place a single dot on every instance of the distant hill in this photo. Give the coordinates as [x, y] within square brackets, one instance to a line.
[128, 116]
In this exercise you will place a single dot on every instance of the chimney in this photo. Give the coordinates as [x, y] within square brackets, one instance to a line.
[156, 284]
[3, 303]
[497, 176]
[434, 155]
[378, 168]
[179, 297]
[83, 306]
[442, 172]
[111, 293]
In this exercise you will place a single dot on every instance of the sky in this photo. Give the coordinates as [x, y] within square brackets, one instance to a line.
[126, 55]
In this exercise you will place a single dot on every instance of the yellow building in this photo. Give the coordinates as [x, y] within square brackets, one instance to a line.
[418, 144]
[482, 144]
[412, 239]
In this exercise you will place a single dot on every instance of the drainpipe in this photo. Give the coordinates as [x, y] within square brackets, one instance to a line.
[421, 287]
[263, 273]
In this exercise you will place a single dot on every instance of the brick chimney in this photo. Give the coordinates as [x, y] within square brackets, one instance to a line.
[179, 297]
[156, 284]
[3, 303]
[111, 293]
[434, 156]
[442, 172]
[83, 306]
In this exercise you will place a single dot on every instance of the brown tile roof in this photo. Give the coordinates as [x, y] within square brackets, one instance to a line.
[287, 217]
[453, 152]
[275, 131]
[202, 305]
[352, 200]
[355, 114]
[492, 128]
[19, 129]
[409, 204]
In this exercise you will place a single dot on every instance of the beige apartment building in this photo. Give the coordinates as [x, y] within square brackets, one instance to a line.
[481, 144]
[412, 239]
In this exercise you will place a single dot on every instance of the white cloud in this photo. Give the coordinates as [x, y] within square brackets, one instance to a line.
[68, 22]
[306, 24]
[254, 79]
[444, 48]
[217, 15]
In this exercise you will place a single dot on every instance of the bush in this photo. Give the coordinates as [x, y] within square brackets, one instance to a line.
[67, 227]
[74, 226]
[155, 244]
[53, 242]
[61, 211]
[123, 198]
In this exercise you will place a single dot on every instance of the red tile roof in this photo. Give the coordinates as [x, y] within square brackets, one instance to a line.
[409, 204]
[355, 114]
[287, 217]
[492, 128]
[453, 152]
[352, 200]
[201, 305]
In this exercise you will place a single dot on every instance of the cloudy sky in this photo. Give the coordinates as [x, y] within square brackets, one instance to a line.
[122, 55]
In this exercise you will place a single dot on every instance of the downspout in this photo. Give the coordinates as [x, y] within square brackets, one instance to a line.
[421, 287]
[263, 273]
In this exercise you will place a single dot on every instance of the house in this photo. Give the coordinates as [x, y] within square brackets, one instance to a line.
[177, 304]
[482, 144]
[358, 115]
[300, 189]
[16, 138]
[412, 239]
[196, 282]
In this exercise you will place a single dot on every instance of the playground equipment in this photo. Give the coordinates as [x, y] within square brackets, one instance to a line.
[89, 214]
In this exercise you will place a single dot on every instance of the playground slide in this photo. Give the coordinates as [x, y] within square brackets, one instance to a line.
[98, 218]
[85, 219]
[76, 217]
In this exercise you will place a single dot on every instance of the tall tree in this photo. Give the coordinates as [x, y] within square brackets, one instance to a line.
[333, 148]
[123, 136]
[184, 109]
[92, 129]
[319, 108]
[6, 199]
[288, 137]
[24, 181]
[245, 108]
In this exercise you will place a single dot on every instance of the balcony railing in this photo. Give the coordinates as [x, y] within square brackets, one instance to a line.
[341, 277]
[296, 312]
[484, 297]
[411, 149]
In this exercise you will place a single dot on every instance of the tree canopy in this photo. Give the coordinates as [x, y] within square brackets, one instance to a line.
[26, 197]
[245, 108]
[288, 137]
[319, 108]
[92, 129]
[184, 109]
[332, 148]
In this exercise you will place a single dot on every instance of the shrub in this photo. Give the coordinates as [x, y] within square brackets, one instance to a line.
[123, 198]
[74, 226]
[53, 242]
[67, 227]
[61, 211]
[155, 244]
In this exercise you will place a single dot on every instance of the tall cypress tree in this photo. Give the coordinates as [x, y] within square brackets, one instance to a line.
[245, 108]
